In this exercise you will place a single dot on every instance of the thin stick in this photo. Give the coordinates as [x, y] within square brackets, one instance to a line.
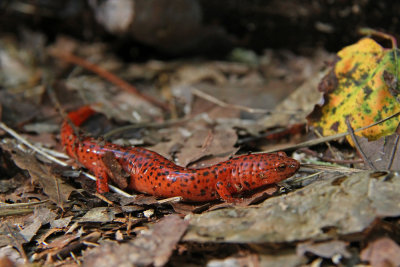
[332, 160]
[369, 31]
[19, 205]
[223, 104]
[326, 138]
[146, 125]
[17, 243]
[330, 168]
[112, 78]
[53, 159]
[358, 147]
[34, 148]
[394, 148]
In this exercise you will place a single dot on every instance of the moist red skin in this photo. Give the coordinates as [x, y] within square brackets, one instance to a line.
[153, 174]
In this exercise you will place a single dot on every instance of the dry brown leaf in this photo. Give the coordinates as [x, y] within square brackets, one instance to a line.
[327, 249]
[383, 153]
[10, 256]
[382, 253]
[320, 211]
[218, 143]
[9, 234]
[53, 186]
[99, 214]
[152, 247]
[286, 259]
[63, 246]
[41, 216]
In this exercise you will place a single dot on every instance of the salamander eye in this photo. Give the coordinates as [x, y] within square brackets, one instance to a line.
[281, 154]
[281, 166]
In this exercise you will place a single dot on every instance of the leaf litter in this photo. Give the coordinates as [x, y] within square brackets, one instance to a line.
[213, 105]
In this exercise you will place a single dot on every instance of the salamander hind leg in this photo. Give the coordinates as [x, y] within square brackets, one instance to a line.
[102, 180]
[226, 191]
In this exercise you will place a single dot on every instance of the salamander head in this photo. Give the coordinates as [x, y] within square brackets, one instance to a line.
[279, 168]
[268, 169]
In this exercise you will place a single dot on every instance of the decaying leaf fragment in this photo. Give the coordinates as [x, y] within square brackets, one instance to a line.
[321, 211]
[152, 247]
[361, 86]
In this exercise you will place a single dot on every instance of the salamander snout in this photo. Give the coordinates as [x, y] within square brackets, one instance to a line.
[287, 166]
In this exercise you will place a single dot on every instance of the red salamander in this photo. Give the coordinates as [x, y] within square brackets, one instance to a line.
[153, 174]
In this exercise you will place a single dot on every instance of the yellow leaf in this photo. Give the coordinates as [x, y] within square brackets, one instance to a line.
[358, 88]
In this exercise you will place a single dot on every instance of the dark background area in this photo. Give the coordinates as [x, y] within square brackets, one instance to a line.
[208, 28]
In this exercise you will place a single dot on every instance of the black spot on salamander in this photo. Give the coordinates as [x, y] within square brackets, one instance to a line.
[159, 184]
[192, 178]
[205, 173]
[247, 183]
[202, 192]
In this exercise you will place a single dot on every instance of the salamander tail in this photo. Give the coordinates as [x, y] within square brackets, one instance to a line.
[79, 116]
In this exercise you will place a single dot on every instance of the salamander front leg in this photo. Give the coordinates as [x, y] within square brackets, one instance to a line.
[226, 191]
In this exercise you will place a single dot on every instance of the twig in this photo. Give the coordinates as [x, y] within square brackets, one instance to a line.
[303, 178]
[170, 200]
[53, 159]
[145, 125]
[326, 143]
[19, 205]
[34, 148]
[338, 161]
[326, 138]
[103, 198]
[395, 147]
[369, 31]
[17, 244]
[112, 78]
[330, 168]
[223, 104]
[358, 147]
